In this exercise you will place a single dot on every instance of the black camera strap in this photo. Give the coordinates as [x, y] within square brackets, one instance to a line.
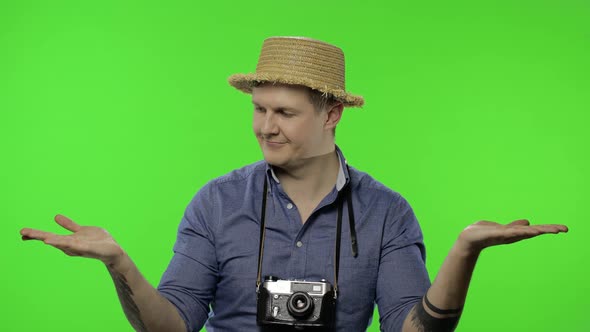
[337, 246]
[351, 225]
[346, 191]
[262, 233]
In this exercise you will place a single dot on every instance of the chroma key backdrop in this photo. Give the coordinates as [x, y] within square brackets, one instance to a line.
[115, 113]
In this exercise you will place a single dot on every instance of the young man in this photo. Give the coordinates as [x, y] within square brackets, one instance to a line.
[301, 214]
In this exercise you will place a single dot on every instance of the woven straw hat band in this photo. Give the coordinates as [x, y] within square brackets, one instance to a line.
[303, 58]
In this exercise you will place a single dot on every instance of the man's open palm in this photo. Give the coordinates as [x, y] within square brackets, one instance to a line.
[85, 241]
[485, 234]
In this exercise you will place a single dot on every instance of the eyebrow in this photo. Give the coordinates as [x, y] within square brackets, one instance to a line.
[278, 108]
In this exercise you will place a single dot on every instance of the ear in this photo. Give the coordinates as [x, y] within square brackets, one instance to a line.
[333, 115]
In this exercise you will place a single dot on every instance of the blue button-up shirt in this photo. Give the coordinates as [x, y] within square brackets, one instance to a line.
[212, 276]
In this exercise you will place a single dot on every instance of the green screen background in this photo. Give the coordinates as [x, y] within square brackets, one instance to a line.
[115, 113]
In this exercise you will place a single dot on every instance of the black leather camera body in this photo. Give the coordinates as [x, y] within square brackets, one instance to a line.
[295, 303]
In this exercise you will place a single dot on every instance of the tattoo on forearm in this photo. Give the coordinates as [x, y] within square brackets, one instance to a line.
[126, 297]
[424, 322]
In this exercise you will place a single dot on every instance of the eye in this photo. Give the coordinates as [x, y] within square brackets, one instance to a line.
[259, 110]
[285, 114]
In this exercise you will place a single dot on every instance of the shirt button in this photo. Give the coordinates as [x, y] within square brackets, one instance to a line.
[289, 206]
[299, 244]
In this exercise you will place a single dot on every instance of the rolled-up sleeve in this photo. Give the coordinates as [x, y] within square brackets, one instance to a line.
[403, 278]
[189, 281]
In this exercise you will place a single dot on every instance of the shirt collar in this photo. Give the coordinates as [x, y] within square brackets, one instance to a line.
[343, 176]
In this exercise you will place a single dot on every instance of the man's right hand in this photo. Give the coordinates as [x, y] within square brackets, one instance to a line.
[145, 308]
[85, 241]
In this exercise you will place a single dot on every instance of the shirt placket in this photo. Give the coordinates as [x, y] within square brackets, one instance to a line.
[298, 237]
[300, 234]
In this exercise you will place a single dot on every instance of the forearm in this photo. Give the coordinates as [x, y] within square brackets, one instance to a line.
[145, 308]
[447, 293]
[449, 289]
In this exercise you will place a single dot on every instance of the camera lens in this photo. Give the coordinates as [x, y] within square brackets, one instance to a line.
[300, 305]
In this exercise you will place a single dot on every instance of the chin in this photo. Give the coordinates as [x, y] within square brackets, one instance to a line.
[271, 156]
[277, 157]
[274, 161]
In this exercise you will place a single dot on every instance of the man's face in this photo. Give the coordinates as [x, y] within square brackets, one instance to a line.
[288, 128]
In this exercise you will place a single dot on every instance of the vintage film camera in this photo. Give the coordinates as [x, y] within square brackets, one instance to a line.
[295, 302]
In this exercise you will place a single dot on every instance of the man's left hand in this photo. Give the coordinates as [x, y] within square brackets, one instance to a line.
[483, 234]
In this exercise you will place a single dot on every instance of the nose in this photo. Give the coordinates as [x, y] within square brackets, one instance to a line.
[269, 126]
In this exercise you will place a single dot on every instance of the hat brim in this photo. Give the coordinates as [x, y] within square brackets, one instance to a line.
[245, 83]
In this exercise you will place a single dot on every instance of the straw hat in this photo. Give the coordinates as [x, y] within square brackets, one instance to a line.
[300, 61]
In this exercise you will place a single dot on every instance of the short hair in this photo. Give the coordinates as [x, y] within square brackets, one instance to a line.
[320, 101]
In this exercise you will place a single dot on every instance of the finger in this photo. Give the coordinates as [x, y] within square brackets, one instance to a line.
[70, 246]
[67, 223]
[24, 231]
[67, 242]
[520, 237]
[519, 222]
[514, 231]
[59, 244]
[486, 222]
[517, 231]
[59, 241]
[526, 232]
[35, 234]
[561, 228]
[551, 228]
[515, 234]
[69, 253]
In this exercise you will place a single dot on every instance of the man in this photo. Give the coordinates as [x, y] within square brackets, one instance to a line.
[301, 214]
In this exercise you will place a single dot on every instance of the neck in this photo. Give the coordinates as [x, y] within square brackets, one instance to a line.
[313, 179]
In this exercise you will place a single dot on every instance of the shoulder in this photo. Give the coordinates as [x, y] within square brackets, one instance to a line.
[379, 202]
[365, 185]
[377, 199]
[227, 192]
[240, 175]
[232, 187]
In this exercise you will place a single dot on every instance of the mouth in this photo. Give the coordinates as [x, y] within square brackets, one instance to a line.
[273, 144]
[263, 139]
